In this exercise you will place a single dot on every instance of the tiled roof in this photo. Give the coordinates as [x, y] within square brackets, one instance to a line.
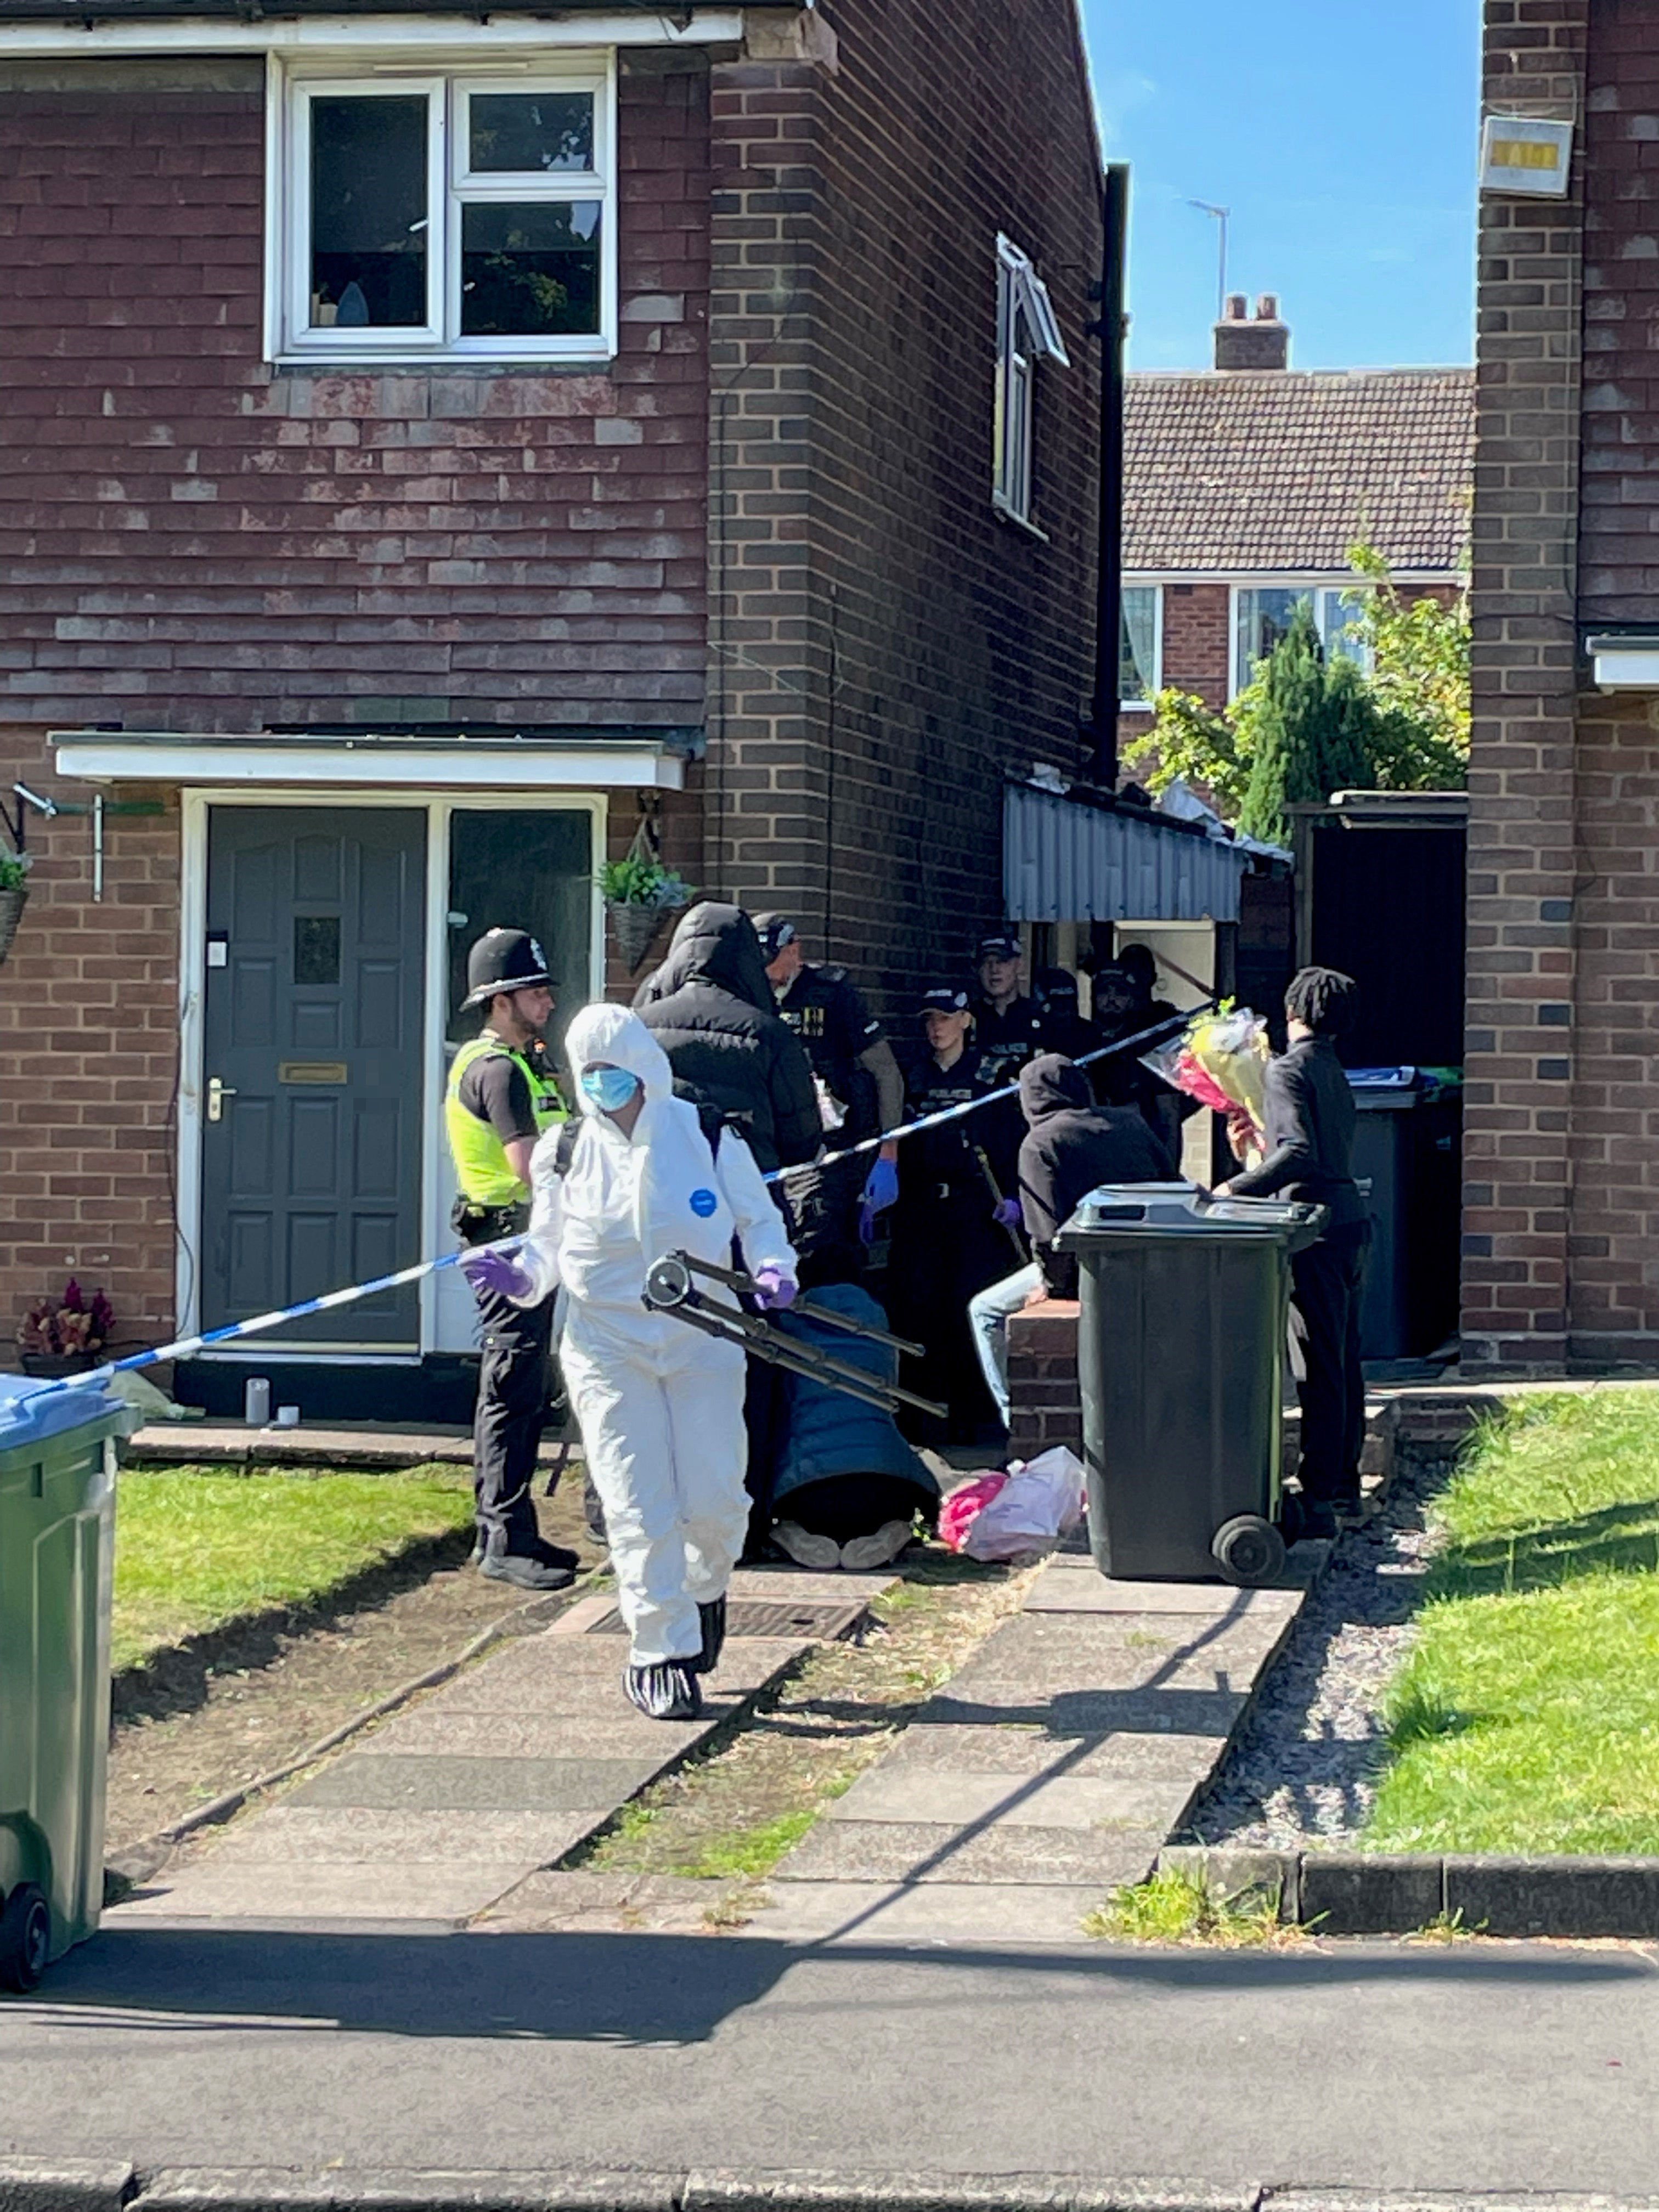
[1242, 472]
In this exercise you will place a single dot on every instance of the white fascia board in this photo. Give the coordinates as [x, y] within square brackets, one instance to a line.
[1633, 667]
[1273, 579]
[360, 34]
[339, 763]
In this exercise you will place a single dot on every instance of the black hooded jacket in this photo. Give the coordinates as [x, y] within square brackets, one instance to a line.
[710, 1007]
[1072, 1145]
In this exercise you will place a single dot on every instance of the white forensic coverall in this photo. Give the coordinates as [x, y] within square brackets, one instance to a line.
[659, 1404]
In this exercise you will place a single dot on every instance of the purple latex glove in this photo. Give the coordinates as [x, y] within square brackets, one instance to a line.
[774, 1290]
[1007, 1214]
[498, 1271]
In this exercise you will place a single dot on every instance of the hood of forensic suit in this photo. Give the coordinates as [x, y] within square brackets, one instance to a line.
[616, 1036]
[1052, 1085]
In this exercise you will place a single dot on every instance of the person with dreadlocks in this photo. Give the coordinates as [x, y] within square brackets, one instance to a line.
[1309, 1147]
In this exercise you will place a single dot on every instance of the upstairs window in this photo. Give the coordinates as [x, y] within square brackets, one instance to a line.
[1028, 331]
[421, 217]
[1262, 616]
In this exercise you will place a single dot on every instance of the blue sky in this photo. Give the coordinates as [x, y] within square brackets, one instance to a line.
[1342, 135]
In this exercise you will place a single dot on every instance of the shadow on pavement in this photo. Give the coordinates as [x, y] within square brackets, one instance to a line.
[664, 1988]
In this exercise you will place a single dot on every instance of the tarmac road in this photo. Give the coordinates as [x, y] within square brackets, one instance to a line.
[1472, 2066]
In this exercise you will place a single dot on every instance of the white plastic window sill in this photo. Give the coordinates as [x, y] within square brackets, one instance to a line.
[1004, 513]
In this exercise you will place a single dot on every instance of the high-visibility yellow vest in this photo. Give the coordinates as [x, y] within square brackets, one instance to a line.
[482, 1167]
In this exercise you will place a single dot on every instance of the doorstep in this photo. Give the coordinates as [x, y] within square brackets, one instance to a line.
[357, 1444]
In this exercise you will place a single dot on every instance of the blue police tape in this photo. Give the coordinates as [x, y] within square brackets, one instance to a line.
[187, 1347]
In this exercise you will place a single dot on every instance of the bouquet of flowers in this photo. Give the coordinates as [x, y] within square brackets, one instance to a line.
[60, 1327]
[1221, 1060]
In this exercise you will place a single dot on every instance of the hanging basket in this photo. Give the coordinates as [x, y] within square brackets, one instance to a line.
[634, 925]
[12, 903]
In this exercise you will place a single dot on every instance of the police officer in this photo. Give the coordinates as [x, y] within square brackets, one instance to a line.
[948, 1242]
[1007, 1024]
[500, 1097]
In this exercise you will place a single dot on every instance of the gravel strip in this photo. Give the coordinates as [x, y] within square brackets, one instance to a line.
[1301, 1773]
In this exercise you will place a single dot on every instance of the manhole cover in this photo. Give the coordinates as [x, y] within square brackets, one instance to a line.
[776, 1618]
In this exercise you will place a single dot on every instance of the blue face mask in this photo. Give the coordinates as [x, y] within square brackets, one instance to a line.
[610, 1088]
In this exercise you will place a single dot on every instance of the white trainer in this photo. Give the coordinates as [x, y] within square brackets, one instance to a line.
[805, 1549]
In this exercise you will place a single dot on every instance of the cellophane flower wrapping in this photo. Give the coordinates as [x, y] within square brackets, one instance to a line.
[1220, 1059]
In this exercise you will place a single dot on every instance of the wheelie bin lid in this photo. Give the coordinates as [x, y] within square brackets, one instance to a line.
[1150, 1210]
[1386, 1090]
[32, 1411]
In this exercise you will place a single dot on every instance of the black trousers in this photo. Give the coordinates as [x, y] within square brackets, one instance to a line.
[1325, 1281]
[513, 1382]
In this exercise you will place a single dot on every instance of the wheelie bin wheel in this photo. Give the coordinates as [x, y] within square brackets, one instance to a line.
[25, 1938]
[1249, 1551]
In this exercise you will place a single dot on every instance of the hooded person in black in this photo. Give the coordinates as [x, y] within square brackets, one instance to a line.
[710, 1007]
[1309, 1140]
[1071, 1147]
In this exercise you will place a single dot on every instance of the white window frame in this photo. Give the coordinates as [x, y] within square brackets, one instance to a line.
[1147, 584]
[1019, 289]
[448, 88]
[1304, 588]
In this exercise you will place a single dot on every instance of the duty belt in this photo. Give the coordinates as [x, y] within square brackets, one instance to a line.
[484, 1224]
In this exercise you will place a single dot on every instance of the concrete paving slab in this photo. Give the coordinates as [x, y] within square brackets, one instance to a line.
[1163, 1711]
[1022, 1748]
[430, 1732]
[1002, 1914]
[346, 1835]
[547, 1903]
[536, 1674]
[1066, 1646]
[1063, 1801]
[448, 1893]
[438, 1785]
[1077, 1586]
[883, 1850]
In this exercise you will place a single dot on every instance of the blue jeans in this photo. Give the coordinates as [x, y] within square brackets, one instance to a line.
[988, 1316]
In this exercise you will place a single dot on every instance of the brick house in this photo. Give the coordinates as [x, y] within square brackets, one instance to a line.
[436, 444]
[1561, 1194]
[1244, 486]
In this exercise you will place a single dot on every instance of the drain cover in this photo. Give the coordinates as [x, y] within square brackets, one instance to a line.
[777, 1618]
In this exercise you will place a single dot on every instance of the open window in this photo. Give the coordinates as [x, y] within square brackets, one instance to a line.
[417, 216]
[1028, 332]
[1140, 647]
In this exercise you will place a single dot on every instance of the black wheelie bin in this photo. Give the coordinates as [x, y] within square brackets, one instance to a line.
[1180, 1360]
[57, 1565]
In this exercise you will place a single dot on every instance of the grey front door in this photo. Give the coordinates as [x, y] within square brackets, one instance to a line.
[313, 1068]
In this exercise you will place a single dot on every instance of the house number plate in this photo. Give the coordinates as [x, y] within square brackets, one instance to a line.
[311, 1071]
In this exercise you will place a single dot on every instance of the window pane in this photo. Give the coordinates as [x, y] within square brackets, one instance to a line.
[317, 948]
[519, 132]
[529, 269]
[1263, 619]
[1137, 655]
[1338, 621]
[368, 212]
[521, 868]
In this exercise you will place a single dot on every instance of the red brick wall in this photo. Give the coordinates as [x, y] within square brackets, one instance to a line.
[1043, 1381]
[886, 647]
[211, 544]
[89, 1041]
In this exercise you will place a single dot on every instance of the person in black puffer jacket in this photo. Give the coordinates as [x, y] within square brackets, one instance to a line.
[710, 1007]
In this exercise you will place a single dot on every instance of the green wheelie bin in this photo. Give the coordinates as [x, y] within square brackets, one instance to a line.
[57, 1565]
[1180, 1359]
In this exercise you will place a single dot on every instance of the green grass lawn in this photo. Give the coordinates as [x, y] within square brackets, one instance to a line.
[1526, 1719]
[194, 1550]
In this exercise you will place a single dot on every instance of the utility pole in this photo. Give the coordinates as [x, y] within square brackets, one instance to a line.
[1221, 215]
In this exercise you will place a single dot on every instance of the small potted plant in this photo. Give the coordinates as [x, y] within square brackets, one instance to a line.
[66, 1335]
[638, 892]
[14, 895]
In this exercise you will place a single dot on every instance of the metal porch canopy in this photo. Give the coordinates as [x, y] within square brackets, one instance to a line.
[1065, 861]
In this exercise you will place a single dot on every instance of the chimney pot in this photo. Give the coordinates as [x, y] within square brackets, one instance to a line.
[1243, 344]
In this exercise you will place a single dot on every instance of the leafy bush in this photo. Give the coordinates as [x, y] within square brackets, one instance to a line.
[636, 882]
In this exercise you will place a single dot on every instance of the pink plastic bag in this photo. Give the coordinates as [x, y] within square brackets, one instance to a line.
[963, 1507]
[1012, 1515]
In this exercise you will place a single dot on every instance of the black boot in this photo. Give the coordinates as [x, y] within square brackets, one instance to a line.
[665, 1691]
[711, 1618]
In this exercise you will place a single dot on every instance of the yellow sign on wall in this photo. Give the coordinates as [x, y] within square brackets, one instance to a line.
[1525, 153]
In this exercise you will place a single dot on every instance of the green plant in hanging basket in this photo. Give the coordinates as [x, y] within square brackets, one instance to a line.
[14, 893]
[638, 892]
